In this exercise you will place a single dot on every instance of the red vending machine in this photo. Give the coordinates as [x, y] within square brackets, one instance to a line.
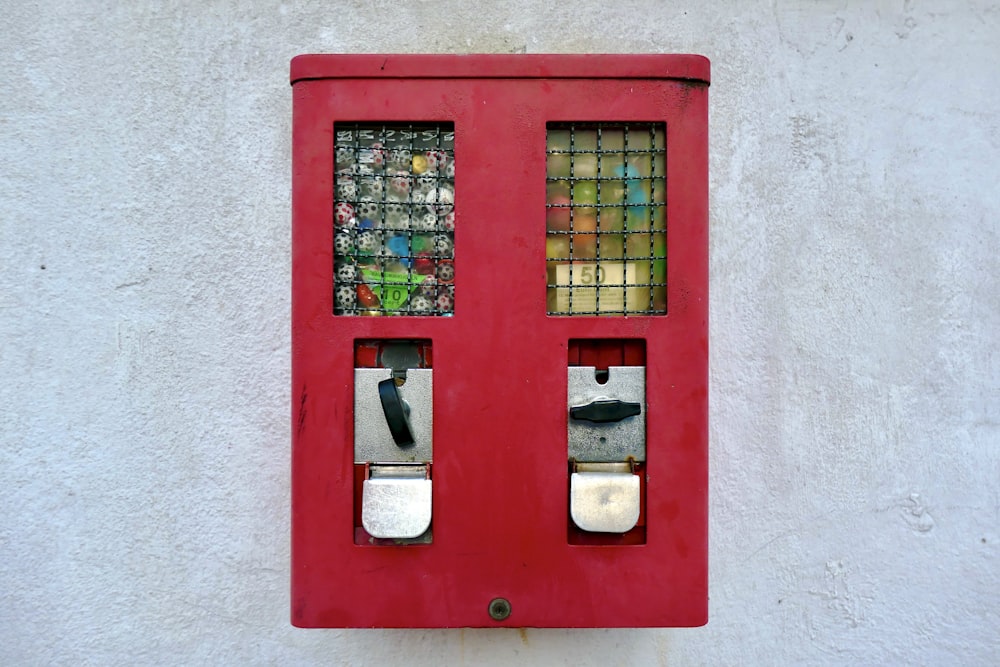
[499, 341]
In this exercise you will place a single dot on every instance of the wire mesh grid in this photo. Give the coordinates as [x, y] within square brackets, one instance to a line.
[606, 233]
[394, 219]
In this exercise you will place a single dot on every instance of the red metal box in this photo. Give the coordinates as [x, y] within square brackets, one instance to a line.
[499, 341]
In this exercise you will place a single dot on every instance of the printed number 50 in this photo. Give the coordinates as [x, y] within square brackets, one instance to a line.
[591, 274]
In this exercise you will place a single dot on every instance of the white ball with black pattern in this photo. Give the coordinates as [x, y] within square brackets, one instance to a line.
[397, 215]
[346, 296]
[399, 158]
[345, 155]
[424, 222]
[366, 208]
[346, 274]
[421, 304]
[426, 181]
[429, 287]
[440, 201]
[347, 190]
[343, 243]
[367, 241]
[373, 186]
[443, 245]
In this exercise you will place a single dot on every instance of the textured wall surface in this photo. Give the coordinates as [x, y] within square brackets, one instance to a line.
[144, 307]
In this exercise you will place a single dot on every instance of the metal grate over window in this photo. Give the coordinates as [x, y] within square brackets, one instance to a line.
[606, 233]
[394, 219]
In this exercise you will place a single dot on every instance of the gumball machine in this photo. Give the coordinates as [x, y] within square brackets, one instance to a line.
[606, 219]
[499, 341]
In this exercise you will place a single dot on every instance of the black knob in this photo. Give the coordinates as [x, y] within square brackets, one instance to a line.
[605, 411]
[397, 413]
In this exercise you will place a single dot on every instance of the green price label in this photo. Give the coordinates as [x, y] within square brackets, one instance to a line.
[392, 289]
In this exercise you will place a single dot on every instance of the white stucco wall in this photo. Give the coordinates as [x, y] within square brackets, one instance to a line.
[144, 339]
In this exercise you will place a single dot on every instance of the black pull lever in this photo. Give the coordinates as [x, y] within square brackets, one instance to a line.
[604, 411]
[397, 413]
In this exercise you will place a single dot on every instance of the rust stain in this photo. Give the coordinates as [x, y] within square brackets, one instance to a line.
[523, 632]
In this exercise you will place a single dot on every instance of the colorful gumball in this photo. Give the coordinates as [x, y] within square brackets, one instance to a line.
[399, 245]
[343, 213]
[422, 243]
[418, 164]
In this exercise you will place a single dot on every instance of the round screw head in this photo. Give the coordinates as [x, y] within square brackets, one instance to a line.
[499, 609]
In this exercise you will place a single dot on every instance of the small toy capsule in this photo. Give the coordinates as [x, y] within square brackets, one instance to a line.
[366, 208]
[379, 154]
[429, 287]
[373, 186]
[343, 213]
[367, 241]
[422, 243]
[399, 158]
[426, 181]
[440, 200]
[436, 159]
[426, 222]
[366, 297]
[443, 245]
[385, 256]
[347, 274]
[344, 156]
[444, 303]
[343, 243]
[421, 304]
[399, 185]
[446, 290]
[347, 190]
[418, 164]
[424, 265]
[345, 297]
[445, 271]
